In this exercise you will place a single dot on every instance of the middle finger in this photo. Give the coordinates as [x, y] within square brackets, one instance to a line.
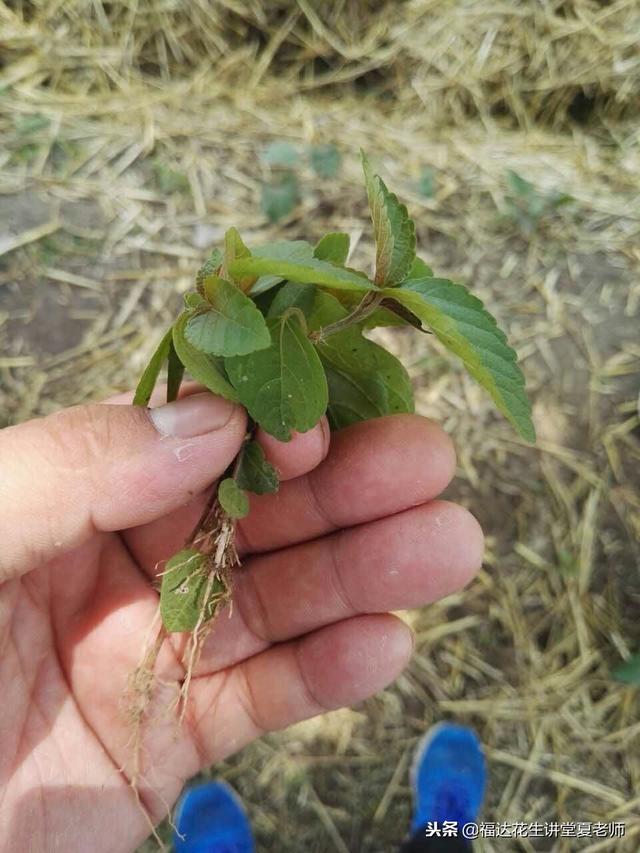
[399, 562]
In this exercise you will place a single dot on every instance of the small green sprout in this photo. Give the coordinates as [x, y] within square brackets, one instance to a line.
[527, 206]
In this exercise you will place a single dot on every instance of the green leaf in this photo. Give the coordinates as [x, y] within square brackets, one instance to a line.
[255, 473]
[365, 381]
[307, 271]
[234, 247]
[183, 590]
[293, 295]
[175, 372]
[289, 250]
[31, 123]
[206, 369]
[169, 180]
[461, 322]
[193, 301]
[285, 250]
[394, 231]
[629, 671]
[419, 269]
[334, 248]
[325, 160]
[233, 500]
[280, 196]
[391, 314]
[210, 267]
[151, 372]
[426, 184]
[281, 153]
[283, 387]
[232, 325]
[519, 185]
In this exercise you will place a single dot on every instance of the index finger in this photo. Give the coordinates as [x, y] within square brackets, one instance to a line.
[373, 469]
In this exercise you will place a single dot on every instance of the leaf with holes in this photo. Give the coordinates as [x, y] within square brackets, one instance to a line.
[283, 387]
[185, 585]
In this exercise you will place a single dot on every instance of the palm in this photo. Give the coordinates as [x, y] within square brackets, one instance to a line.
[296, 641]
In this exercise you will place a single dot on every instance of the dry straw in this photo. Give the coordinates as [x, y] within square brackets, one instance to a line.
[131, 135]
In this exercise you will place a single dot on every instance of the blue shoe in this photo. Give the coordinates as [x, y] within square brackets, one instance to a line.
[448, 776]
[211, 819]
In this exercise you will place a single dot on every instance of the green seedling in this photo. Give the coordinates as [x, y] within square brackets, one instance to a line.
[281, 192]
[628, 672]
[527, 206]
[325, 160]
[427, 183]
[279, 328]
[169, 180]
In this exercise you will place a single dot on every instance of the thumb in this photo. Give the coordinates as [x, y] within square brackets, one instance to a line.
[104, 468]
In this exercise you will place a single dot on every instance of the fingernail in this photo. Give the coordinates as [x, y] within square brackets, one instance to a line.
[197, 414]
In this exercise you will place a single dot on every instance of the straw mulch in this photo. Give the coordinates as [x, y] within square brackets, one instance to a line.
[131, 136]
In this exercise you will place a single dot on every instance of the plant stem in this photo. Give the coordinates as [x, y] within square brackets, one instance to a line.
[366, 307]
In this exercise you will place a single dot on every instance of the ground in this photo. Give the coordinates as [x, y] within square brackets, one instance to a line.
[109, 203]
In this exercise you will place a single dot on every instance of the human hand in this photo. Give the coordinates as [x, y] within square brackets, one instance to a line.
[92, 499]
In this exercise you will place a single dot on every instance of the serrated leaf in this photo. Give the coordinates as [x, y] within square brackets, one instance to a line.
[233, 500]
[255, 473]
[325, 160]
[307, 271]
[232, 325]
[628, 672]
[175, 372]
[365, 380]
[283, 387]
[210, 267]
[151, 372]
[462, 323]
[394, 231]
[206, 369]
[334, 248]
[183, 590]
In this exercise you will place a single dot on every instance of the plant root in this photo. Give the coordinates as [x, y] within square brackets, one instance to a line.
[216, 539]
